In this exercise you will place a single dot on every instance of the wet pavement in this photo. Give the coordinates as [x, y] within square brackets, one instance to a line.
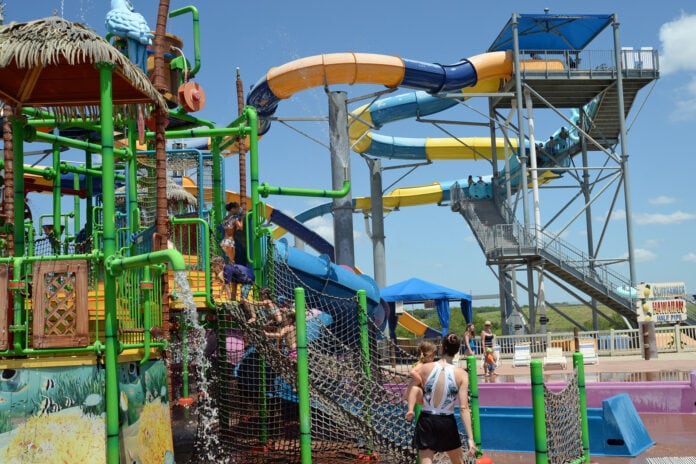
[674, 434]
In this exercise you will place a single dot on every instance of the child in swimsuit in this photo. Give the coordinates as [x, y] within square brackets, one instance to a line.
[414, 395]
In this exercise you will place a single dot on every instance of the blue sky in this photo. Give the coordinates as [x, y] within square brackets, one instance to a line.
[432, 242]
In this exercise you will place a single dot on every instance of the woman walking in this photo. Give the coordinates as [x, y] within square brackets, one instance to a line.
[436, 429]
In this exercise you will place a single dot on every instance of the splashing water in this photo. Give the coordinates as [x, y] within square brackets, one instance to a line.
[208, 414]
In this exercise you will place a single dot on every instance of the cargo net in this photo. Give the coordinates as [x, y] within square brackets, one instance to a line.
[357, 407]
[563, 423]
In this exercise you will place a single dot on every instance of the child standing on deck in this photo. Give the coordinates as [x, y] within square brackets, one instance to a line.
[426, 354]
[489, 363]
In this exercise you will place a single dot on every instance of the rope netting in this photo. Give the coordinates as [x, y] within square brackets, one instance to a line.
[356, 402]
[563, 423]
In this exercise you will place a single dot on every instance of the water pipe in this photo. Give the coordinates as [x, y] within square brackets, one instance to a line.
[18, 130]
[364, 331]
[46, 173]
[266, 190]
[195, 121]
[474, 403]
[66, 167]
[579, 365]
[33, 136]
[539, 412]
[205, 238]
[196, 35]
[198, 132]
[115, 265]
[56, 193]
[303, 377]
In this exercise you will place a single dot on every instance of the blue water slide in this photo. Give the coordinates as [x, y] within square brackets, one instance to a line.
[319, 273]
[301, 231]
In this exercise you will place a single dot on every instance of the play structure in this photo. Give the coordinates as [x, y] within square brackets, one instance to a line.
[117, 320]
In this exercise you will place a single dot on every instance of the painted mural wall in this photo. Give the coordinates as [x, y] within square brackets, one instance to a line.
[57, 414]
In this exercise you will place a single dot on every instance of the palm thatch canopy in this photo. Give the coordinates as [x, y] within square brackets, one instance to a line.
[50, 63]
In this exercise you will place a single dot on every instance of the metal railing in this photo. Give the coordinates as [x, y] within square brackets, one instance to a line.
[643, 62]
[669, 339]
[516, 238]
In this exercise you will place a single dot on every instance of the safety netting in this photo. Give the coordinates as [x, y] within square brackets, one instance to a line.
[563, 423]
[355, 385]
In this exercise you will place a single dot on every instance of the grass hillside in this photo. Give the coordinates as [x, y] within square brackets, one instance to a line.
[557, 323]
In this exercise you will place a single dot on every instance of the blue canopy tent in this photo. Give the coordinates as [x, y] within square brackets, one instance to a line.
[552, 32]
[416, 290]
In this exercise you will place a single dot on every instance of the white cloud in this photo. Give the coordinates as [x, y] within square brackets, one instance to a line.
[324, 226]
[678, 39]
[676, 217]
[689, 257]
[662, 199]
[616, 215]
[653, 243]
[641, 255]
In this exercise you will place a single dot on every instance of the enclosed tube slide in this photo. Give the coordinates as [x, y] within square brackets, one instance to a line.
[365, 68]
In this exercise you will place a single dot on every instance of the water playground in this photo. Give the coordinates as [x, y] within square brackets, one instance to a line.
[167, 304]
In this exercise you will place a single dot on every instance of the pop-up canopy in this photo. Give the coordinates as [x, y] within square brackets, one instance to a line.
[416, 290]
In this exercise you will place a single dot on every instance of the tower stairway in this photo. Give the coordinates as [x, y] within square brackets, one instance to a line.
[504, 242]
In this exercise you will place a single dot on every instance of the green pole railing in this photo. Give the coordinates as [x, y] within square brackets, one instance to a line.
[539, 412]
[205, 240]
[57, 232]
[303, 378]
[18, 154]
[132, 180]
[122, 153]
[76, 206]
[364, 330]
[579, 364]
[364, 333]
[109, 244]
[474, 404]
[266, 190]
[196, 35]
[116, 264]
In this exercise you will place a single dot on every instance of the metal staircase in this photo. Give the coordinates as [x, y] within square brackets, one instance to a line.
[512, 243]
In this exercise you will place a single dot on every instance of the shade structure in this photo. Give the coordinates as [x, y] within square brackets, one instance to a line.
[50, 63]
[416, 290]
[552, 32]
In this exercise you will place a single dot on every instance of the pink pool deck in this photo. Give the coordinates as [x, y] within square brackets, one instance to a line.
[663, 385]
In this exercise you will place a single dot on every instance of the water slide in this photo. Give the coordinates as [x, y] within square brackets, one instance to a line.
[417, 327]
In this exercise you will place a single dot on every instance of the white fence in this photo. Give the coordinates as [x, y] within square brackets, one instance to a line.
[672, 339]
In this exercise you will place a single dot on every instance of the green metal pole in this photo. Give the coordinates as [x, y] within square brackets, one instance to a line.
[133, 216]
[218, 202]
[79, 144]
[257, 214]
[539, 412]
[200, 132]
[196, 35]
[266, 190]
[89, 205]
[146, 286]
[115, 264]
[18, 152]
[76, 206]
[252, 120]
[67, 167]
[19, 245]
[474, 402]
[364, 331]
[56, 194]
[109, 244]
[303, 377]
[579, 364]
[205, 239]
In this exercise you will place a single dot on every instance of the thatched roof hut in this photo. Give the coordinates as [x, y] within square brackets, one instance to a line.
[49, 63]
